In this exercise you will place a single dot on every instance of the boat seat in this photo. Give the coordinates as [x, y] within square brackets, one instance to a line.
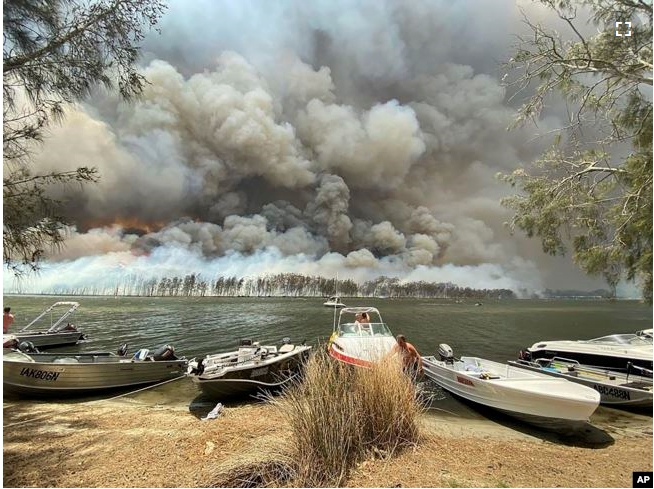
[286, 348]
[471, 367]
[65, 360]
[488, 375]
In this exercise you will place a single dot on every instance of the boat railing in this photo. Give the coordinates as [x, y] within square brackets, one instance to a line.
[528, 363]
[623, 339]
[72, 308]
[642, 371]
[238, 359]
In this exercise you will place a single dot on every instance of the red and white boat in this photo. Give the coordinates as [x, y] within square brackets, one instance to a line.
[357, 343]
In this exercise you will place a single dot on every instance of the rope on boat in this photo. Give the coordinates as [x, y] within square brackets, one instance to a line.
[445, 411]
[81, 404]
[138, 390]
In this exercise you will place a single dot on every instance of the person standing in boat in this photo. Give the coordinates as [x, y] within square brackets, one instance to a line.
[411, 361]
[7, 320]
[365, 323]
[363, 320]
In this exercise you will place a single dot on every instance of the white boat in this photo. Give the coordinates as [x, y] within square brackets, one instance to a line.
[59, 333]
[534, 397]
[250, 369]
[616, 389]
[357, 343]
[334, 301]
[65, 374]
[612, 352]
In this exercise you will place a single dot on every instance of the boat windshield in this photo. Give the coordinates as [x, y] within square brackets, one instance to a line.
[364, 330]
[623, 339]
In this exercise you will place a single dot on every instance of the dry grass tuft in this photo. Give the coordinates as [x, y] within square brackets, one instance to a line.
[339, 415]
[388, 405]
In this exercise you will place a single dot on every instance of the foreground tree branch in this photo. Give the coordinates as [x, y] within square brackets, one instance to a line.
[54, 53]
[591, 194]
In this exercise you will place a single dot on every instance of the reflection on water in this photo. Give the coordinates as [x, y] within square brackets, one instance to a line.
[197, 326]
[497, 330]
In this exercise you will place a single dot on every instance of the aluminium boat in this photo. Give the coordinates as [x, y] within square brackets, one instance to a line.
[250, 369]
[537, 398]
[360, 344]
[616, 389]
[59, 333]
[67, 374]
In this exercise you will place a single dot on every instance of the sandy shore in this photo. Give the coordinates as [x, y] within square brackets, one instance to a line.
[129, 443]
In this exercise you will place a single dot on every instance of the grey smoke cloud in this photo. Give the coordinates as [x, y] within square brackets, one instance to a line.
[354, 136]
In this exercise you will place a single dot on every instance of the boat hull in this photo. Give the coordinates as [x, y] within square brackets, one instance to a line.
[51, 340]
[614, 394]
[91, 374]
[342, 356]
[537, 400]
[597, 355]
[253, 377]
[360, 350]
[220, 389]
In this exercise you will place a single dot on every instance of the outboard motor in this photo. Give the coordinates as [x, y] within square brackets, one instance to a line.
[445, 353]
[166, 352]
[200, 368]
[27, 347]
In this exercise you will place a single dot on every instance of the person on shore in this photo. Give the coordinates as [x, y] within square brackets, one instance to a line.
[411, 361]
[7, 320]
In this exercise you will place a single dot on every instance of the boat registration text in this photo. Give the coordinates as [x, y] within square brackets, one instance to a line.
[39, 374]
[612, 392]
[463, 380]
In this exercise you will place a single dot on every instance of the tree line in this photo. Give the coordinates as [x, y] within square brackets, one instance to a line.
[282, 285]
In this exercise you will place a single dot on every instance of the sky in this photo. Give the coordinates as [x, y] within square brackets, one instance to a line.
[359, 138]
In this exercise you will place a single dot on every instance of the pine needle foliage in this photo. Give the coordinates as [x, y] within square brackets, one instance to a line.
[592, 190]
[54, 53]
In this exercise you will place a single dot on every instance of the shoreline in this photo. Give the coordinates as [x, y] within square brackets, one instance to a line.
[126, 442]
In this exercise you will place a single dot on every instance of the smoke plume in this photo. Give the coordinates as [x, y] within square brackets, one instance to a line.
[359, 138]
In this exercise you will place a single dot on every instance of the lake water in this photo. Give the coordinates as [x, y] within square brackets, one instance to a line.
[496, 330]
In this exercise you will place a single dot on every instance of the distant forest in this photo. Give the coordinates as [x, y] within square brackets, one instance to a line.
[572, 293]
[284, 285]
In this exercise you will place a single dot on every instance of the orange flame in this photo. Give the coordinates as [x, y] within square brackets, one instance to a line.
[129, 223]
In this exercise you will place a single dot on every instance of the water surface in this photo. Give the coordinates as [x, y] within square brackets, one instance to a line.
[496, 330]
